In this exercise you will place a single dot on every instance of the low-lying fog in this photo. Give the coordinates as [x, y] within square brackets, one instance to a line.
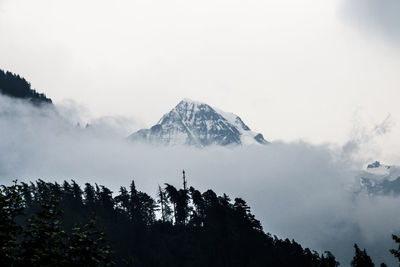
[297, 190]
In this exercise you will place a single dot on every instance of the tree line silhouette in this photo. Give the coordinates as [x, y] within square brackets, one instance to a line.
[15, 86]
[52, 224]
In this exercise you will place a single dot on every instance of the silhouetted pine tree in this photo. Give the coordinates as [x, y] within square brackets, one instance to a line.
[361, 258]
[198, 214]
[89, 196]
[162, 201]
[396, 252]
[173, 197]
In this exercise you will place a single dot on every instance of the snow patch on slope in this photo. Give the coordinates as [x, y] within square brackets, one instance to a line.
[195, 123]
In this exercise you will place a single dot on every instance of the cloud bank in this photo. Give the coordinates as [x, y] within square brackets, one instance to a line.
[297, 190]
[375, 16]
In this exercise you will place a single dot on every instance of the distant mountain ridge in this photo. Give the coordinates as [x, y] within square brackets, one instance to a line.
[198, 124]
[13, 85]
[380, 179]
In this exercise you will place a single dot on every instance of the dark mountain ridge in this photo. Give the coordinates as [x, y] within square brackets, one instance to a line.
[15, 86]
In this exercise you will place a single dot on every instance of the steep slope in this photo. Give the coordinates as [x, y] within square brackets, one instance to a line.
[15, 86]
[198, 124]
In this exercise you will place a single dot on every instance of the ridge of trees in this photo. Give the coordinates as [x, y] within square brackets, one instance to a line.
[16, 86]
[52, 224]
[40, 240]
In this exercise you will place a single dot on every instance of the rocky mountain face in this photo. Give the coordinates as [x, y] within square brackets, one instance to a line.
[198, 124]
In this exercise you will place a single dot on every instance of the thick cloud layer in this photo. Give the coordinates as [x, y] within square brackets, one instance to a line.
[297, 190]
[376, 16]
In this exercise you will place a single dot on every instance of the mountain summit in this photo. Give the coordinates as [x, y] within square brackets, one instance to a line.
[198, 124]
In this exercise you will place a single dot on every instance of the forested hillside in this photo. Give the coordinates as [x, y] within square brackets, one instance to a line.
[15, 86]
[51, 224]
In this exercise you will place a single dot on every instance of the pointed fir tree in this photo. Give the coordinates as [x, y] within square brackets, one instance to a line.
[89, 194]
[361, 258]
[396, 252]
[162, 201]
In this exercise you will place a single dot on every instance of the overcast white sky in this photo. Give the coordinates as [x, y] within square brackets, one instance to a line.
[291, 69]
[317, 70]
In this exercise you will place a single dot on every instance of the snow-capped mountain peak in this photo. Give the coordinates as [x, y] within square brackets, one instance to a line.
[380, 179]
[195, 123]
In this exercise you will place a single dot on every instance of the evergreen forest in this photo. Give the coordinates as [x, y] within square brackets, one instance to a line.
[52, 224]
[13, 85]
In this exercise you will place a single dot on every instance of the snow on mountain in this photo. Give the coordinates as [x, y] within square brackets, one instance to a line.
[198, 124]
[381, 179]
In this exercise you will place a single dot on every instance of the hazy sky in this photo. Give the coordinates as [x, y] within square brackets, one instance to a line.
[291, 69]
[317, 70]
